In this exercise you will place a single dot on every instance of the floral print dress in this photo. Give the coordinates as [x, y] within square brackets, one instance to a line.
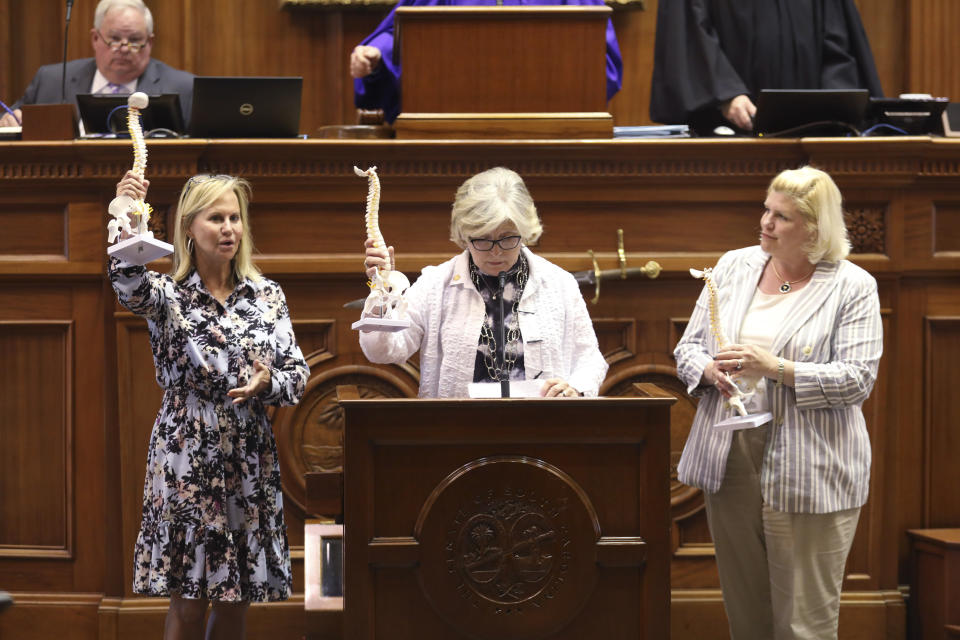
[212, 503]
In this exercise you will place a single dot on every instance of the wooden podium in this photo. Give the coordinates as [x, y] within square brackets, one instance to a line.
[503, 72]
[507, 519]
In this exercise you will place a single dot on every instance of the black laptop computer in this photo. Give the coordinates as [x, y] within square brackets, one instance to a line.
[810, 112]
[107, 113]
[245, 107]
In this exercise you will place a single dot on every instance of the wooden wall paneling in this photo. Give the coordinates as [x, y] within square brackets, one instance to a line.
[114, 582]
[887, 30]
[918, 239]
[636, 31]
[698, 613]
[933, 48]
[307, 44]
[330, 98]
[35, 477]
[6, 64]
[881, 416]
[38, 616]
[233, 38]
[139, 399]
[143, 618]
[90, 464]
[941, 439]
[657, 327]
[946, 229]
[35, 37]
[865, 563]
[909, 436]
[44, 236]
[174, 35]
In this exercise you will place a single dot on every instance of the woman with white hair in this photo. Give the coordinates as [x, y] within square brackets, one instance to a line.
[783, 499]
[454, 308]
[224, 349]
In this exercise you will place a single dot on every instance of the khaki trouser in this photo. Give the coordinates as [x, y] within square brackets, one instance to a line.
[780, 573]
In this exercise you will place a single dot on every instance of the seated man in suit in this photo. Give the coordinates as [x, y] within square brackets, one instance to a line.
[122, 37]
[376, 70]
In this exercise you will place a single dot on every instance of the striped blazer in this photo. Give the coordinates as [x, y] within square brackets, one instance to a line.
[817, 456]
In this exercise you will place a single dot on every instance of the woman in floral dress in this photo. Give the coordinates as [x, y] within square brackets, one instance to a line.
[223, 345]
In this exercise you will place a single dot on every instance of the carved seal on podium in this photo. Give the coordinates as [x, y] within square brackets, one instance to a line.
[508, 548]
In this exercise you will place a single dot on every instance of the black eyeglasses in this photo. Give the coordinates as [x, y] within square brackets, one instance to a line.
[506, 243]
[115, 44]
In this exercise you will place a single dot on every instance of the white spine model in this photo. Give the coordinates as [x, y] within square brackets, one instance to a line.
[387, 285]
[123, 206]
[736, 400]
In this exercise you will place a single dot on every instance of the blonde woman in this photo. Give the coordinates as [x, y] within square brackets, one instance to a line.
[454, 306]
[783, 499]
[224, 348]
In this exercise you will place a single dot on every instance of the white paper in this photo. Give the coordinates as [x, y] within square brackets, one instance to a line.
[750, 421]
[518, 389]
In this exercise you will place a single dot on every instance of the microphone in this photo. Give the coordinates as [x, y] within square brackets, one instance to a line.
[66, 34]
[504, 384]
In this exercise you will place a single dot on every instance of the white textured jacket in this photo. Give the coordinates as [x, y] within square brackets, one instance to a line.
[447, 312]
[817, 458]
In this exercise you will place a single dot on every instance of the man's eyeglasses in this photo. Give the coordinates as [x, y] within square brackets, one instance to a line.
[132, 45]
[506, 243]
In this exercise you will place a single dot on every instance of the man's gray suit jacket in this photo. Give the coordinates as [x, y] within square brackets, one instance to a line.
[157, 78]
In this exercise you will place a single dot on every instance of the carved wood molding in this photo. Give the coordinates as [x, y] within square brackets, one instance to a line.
[310, 435]
[617, 338]
[866, 227]
[45, 170]
[940, 167]
[643, 161]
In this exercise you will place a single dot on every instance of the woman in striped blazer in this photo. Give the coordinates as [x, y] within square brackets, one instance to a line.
[783, 498]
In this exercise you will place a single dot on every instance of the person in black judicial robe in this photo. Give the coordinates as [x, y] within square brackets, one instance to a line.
[712, 57]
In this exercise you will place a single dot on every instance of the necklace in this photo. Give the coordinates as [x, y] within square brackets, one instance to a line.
[784, 283]
[498, 371]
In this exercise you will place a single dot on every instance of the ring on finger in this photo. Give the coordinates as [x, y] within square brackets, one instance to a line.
[739, 364]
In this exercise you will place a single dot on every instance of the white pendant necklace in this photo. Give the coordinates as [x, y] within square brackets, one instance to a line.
[784, 283]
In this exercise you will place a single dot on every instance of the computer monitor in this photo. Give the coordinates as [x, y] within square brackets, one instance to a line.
[107, 113]
[246, 107]
[806, 112]
[911, 115]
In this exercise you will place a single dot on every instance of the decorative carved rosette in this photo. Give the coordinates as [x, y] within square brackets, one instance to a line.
[515, 542]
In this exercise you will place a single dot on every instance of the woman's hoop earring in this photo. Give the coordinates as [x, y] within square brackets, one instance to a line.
[189, 246]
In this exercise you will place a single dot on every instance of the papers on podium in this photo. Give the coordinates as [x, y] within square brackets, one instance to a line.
[518, 389]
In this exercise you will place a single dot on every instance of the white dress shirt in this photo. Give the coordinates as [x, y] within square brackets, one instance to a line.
[100, 83]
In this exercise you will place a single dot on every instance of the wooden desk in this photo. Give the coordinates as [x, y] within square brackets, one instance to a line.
[507, 518]
[935, 588]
